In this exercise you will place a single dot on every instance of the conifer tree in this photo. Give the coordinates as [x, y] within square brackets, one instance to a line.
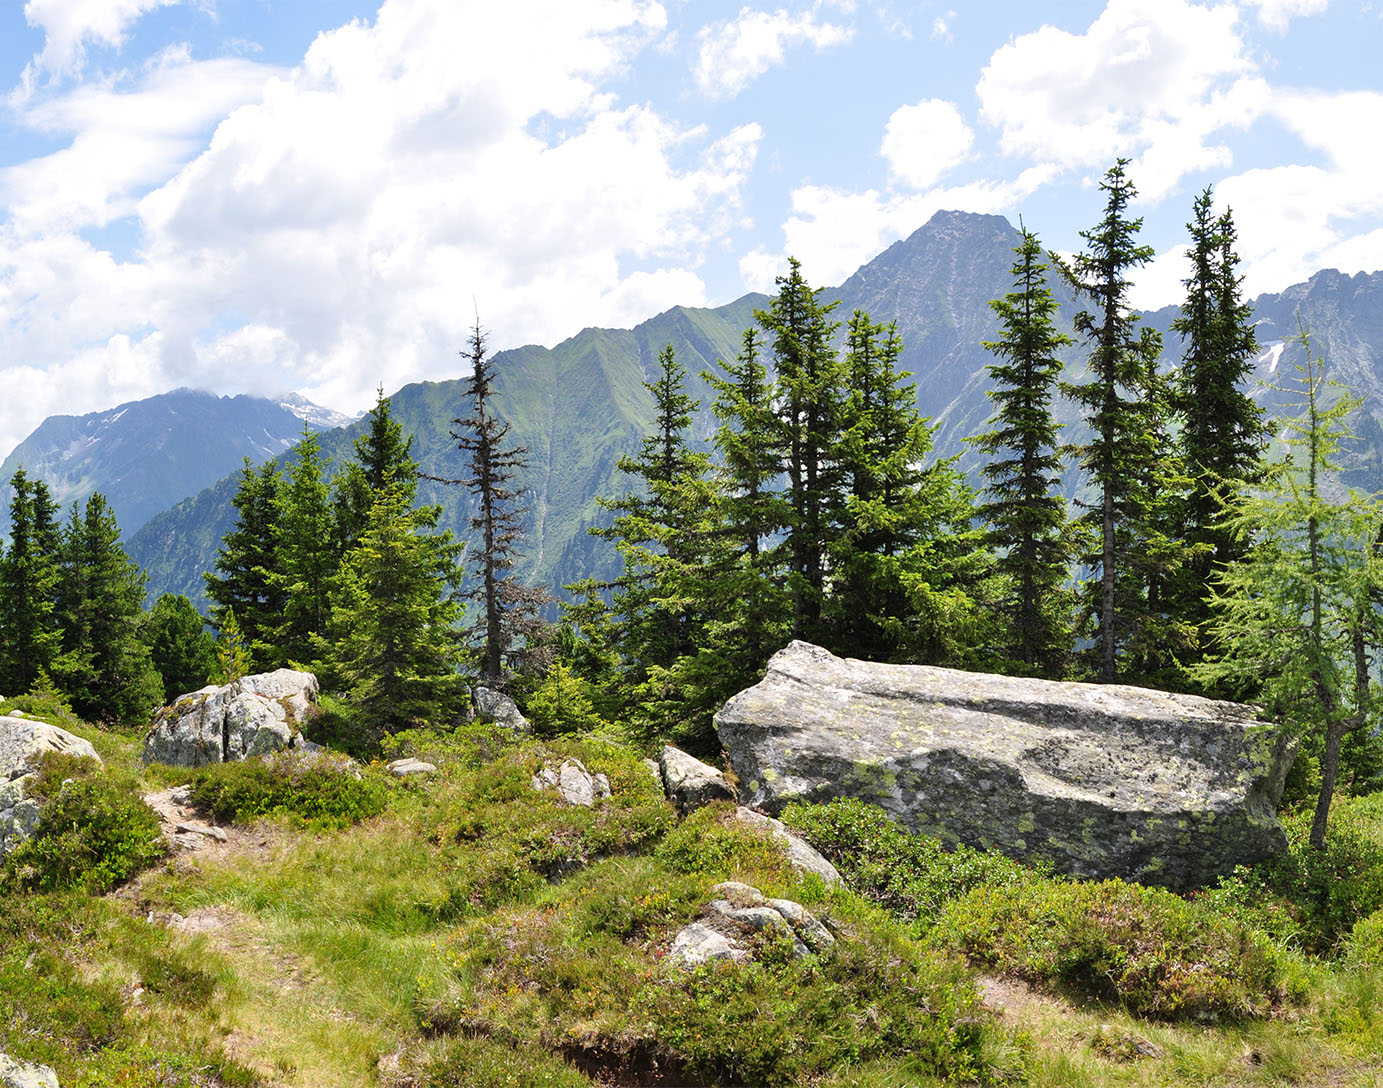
[1025, 511]
[808, 394]
[248, 579]
[306, 556]
[661, 528]
[382, 456]
[884, 508]
[182, 649]
[1296, 618]
[1119, 447]
[1223, 434]
[392, 639]
[508, 619]
[752, 617]
[104, 666]
[29, 634]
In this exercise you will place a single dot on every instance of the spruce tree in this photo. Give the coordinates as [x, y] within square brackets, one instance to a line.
[884, 510]
[753, 613]
[182, 649]
[1119, 447]
[1296, 618]
[508, 620]
[808, 395]
[382, 456]
[306, 557]
[104, 667]
[29, 633]
[1223, 434]
[1025, 511]
[248, 579]
[391, 644]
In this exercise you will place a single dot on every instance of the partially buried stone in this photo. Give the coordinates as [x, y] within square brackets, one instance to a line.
[17, 1074]
[696, 944]
[402, 768]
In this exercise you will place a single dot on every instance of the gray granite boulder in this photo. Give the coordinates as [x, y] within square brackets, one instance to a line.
[22, 740]
[1100, 780]
[252, 716]
[17, 1074]
[573, 783]
[689, 783]
[495, 706]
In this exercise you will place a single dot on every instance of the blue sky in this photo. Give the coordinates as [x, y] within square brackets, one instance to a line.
[263, 195]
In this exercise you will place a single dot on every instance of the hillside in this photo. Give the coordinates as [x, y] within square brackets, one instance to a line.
[580, 405]
[147, 454]
[463, 927]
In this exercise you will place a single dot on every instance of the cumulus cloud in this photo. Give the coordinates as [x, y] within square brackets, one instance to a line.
[69, 26]
[736, 52]
[1149, 78]
[1276, 14]
[924, 141]
[331, 232]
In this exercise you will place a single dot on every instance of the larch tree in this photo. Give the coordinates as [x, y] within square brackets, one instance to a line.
[1119, 448]
[1025, 511]
[1296, 617]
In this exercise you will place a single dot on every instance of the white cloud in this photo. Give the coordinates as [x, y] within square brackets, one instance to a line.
[70, 25]
[332, 231]
[735, 53]
[924, 141]
[941, 27]
[1149, 78]
[1276, 14]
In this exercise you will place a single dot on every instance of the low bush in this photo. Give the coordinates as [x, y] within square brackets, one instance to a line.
[1154, 952]
[712, 842]
[1365, 944]
[912, 875]
[1313, 898]
[317, 790]
[93, 832]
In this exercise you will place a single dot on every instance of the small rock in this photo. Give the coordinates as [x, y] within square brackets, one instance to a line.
[189, 828]
[802, 856]
[544, 778]
[696, 944]
[575, 784]
[742, 895]
[689, 782]
[494, 706]
[180, 795]
[816, 936]
[17, 1074]
[402, 768]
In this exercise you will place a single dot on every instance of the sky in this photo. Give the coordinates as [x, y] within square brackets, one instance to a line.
[320, 196]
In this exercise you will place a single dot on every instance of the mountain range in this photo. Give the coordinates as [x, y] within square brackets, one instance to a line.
[581, 405]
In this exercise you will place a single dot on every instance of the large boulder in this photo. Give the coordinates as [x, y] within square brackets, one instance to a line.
[252, 716]
[495, 706]
[22, 740]
[1101, 780]
[689, 783]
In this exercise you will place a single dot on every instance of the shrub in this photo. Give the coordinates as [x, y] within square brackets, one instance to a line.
[561, 704]
[912, 875]
[317, 791]
[93, 831]
[1365, 944]
[1315, 897]
[711, 842]
[1156, 953]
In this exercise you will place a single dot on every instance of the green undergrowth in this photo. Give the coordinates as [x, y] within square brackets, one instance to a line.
[465, 928]
[317, 791]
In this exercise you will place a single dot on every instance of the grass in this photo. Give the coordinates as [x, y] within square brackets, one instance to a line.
[467, 930]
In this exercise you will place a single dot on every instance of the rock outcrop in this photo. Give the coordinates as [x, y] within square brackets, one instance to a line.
[738, 911]
[22, 740]
[573, 783]
[17, 1074]
[495, 706]
[1101, 780]
[689, 783]
[252, 716]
